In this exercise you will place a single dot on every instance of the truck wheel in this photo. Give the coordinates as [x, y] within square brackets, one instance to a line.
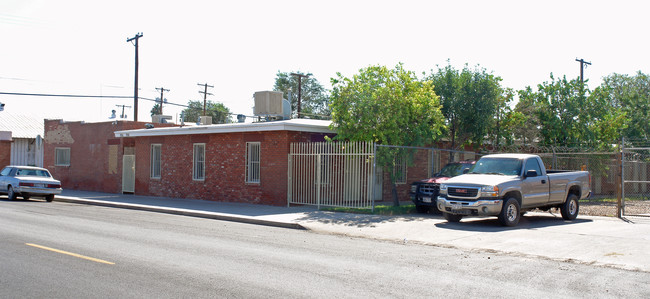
[510, 213]
[434, 210]
[11, 193]
[421, 209]
[570, 207]
[452, 217]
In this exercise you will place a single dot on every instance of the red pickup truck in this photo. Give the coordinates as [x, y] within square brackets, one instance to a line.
[424, 193]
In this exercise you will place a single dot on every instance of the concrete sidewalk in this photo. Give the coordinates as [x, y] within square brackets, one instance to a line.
[603, 241]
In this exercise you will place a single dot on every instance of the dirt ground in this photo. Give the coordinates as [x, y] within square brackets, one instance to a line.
[609, 209]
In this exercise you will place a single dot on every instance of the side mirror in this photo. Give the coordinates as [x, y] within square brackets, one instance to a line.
[466, 170]
[531, 173]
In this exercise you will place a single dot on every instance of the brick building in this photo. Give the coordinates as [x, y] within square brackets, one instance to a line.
[238, 162]
[87, 156]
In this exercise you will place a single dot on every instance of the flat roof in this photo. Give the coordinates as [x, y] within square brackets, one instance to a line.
[300, 125]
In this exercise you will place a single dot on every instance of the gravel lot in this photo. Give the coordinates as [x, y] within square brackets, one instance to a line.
[609, 208]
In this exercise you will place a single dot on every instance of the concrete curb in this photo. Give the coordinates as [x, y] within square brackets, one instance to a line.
[183, 212]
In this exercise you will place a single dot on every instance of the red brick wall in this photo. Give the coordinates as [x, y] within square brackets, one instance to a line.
[5, 153]
[90, 154]
[225, 169]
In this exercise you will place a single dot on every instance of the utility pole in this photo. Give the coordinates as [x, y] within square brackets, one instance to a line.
[123, 116]
[300, 76]
[582, 66]
[205, 94]
[162, 90]
[135, 86]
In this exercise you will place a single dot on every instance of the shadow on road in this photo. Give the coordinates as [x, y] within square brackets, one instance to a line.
[492, 224]
[361, 220]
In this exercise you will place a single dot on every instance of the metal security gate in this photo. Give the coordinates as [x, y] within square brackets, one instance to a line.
[635, 167]
[336, 174]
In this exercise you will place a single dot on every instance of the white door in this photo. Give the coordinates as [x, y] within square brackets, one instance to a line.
[128, 174]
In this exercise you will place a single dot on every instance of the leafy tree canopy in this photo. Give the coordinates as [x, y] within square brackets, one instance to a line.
[470, 101]
[569, 115]
[632, 95]
[314, 98]
[386, 106]
[220, 113]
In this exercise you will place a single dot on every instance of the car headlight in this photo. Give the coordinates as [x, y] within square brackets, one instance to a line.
[414, 188]
[490, 191]
[443, 189]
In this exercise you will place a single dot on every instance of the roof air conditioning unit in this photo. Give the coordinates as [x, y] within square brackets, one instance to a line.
[268, 103]
[205, 120]
[160, 119]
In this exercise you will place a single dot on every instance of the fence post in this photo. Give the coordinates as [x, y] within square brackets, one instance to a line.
[622, 177]
[374, 173]
[619, 182]
[289, 178]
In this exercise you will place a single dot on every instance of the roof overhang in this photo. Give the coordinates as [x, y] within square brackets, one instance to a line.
[300, 125]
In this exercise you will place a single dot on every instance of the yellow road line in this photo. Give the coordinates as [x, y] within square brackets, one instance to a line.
[71, 254]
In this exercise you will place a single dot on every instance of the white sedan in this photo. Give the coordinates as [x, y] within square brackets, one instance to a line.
[27, 181]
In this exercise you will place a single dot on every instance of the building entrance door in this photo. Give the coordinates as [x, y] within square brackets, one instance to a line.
[128, 174]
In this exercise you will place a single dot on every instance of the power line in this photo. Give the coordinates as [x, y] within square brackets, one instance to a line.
[113, 97]
[63, 95]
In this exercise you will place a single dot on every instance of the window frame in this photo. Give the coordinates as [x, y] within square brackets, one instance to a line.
[253, 167]
[400, 163]
[56, 156]
[198, 174]
[155, 165]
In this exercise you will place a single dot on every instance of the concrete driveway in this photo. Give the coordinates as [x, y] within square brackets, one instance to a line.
[601, 241]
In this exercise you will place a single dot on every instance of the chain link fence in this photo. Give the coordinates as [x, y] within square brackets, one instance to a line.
[413, 164]
[620, 182]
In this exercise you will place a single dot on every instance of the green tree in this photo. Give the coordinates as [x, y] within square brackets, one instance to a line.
[155, 109]
[386, 106]
[314, 97]
[632, 95]
[220, 113]
[569, 115]
[470, 101]
[504, 120]
[523, 120]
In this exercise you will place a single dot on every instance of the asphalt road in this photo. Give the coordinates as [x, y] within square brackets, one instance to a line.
[62, 250]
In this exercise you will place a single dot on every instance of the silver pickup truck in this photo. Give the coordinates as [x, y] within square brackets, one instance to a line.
[508, 185]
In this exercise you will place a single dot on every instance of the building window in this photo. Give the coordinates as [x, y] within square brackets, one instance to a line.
[155, 160]
[400, 169]
[62, 156]
[198, 172]
[252, 162]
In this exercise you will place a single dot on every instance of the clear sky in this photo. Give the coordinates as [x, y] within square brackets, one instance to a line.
[79, 47]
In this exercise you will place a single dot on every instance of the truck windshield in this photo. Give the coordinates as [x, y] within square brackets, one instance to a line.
[454, 169]
[505, 166]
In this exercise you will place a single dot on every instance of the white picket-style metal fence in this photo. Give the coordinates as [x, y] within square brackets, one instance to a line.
[338, 174]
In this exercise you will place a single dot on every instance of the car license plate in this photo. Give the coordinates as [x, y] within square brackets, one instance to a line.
[39, 185]
[426, 199]
[456, 206]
